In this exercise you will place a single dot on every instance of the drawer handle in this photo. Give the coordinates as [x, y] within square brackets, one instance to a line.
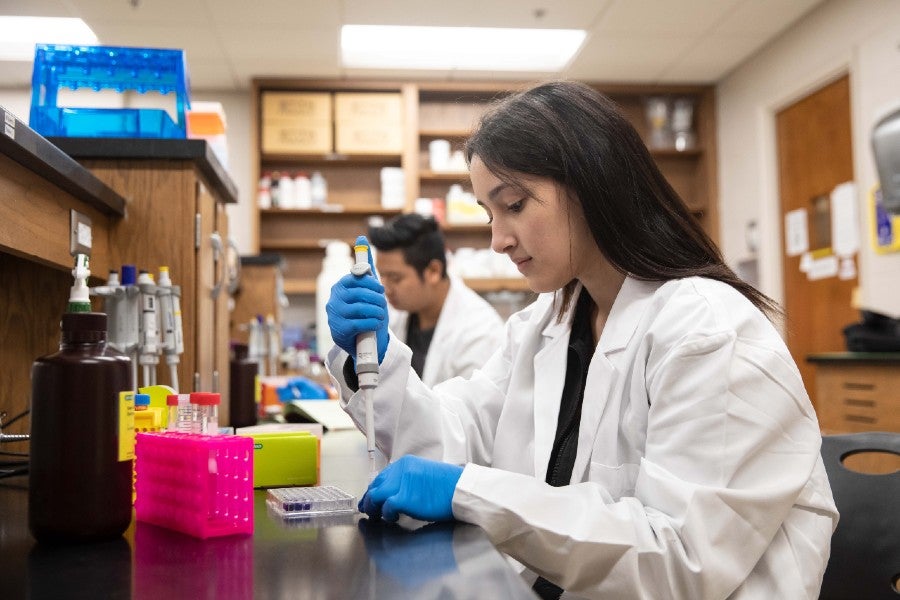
[851, 385]
[860, 419]
[859, 402]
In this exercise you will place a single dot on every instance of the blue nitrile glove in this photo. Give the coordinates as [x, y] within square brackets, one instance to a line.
[358, 305]
[414, 486]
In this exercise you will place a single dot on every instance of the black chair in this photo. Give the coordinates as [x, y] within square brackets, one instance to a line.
[865, 548]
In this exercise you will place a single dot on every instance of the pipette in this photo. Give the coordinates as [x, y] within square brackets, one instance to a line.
[366, 358]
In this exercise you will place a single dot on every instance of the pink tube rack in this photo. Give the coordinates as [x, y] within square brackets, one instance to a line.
[201, 485]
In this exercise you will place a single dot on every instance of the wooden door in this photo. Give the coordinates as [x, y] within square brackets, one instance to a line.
[814, 156]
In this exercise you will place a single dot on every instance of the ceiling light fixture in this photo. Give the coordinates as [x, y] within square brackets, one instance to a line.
[20, 34]
[458, 48]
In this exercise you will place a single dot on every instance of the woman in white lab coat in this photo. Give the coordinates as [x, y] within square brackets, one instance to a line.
[643, 431]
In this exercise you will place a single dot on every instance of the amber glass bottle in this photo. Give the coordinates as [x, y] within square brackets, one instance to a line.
[79, 474]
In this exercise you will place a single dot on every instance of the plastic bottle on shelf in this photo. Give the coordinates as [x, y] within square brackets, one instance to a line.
[336, 264]
[302, 191]
[274, 192]
[263, 192]
[286, 191]
[318, 189]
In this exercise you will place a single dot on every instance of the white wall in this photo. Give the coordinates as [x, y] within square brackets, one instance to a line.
[859, 37]
[241, 218]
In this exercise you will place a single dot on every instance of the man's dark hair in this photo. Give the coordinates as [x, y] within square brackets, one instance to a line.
[418, 237]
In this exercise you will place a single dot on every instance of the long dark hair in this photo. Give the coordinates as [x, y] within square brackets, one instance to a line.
[572, 134]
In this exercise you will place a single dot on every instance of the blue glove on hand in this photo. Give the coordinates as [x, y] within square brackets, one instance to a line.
[357, 305]
[414, 486]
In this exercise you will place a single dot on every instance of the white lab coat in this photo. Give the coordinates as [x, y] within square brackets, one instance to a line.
[467, 333]
[697, 474]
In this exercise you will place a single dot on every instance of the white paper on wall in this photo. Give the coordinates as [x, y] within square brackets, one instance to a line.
[822, 268]
[796, 232]
[844, 220]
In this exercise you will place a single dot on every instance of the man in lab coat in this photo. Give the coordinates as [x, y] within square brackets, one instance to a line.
[450, 329]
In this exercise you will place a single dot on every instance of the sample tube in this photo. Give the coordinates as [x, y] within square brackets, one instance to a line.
[205, 407]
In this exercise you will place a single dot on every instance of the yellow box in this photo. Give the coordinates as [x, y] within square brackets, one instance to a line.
[300, 106]
[368, 137]
[290, 136]
[285, 459]
[369, 107]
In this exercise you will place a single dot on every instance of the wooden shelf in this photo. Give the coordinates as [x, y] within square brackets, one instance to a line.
[446, 110]
[444, 133]
[673, 153]
[333, 159]
[309, 245]
[511, 284]
[471, 228]
[332, 209]
[299, 286]
[502, 284]
[429, 175]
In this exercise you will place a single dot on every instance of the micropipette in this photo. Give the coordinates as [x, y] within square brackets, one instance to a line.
[366, 358]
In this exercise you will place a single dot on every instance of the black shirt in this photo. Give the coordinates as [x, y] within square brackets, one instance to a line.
[581, 349]
[418, 341]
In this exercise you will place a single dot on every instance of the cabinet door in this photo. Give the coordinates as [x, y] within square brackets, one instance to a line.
[221, 317]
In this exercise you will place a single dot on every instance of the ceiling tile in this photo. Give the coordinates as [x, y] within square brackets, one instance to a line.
[174, 12]
[766, 17]
[278, 45]
[197, 43]
[685, 17]
[282, 13]
[213, 75]
[620, 57]
[36, 8]
[630, 40]
[712, 58]
[561, 14]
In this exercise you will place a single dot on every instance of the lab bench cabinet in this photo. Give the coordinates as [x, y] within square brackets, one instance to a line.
[177, 192]
[39, 187]
[857, 391]
[429, 110]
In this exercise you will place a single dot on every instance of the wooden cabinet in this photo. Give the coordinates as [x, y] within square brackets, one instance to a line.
[857, 391]
[445, 111]
[39, 186]
[176, 192]
[260, 292]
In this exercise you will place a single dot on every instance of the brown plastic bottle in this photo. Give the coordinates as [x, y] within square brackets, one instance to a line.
[242, 388]
[79, 489]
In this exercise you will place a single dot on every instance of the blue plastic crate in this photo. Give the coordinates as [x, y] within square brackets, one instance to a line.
[107, 67]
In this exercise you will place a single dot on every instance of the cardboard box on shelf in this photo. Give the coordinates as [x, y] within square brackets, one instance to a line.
[369, 107]
[368, 137]
[368, 123]
[291, 136]
[302, 106]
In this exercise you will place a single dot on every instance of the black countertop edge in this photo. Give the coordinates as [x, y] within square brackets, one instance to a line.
[34, 152]
[855, 357]
[155, 148]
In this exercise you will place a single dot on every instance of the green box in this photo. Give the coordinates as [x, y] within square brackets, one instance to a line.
[285, 459]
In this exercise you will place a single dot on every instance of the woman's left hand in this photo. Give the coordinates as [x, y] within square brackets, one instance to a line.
[420, 488]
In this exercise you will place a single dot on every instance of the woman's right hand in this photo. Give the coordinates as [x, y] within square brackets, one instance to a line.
[357, 305]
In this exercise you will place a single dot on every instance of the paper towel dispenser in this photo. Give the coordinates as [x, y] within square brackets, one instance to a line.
[886, 147]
